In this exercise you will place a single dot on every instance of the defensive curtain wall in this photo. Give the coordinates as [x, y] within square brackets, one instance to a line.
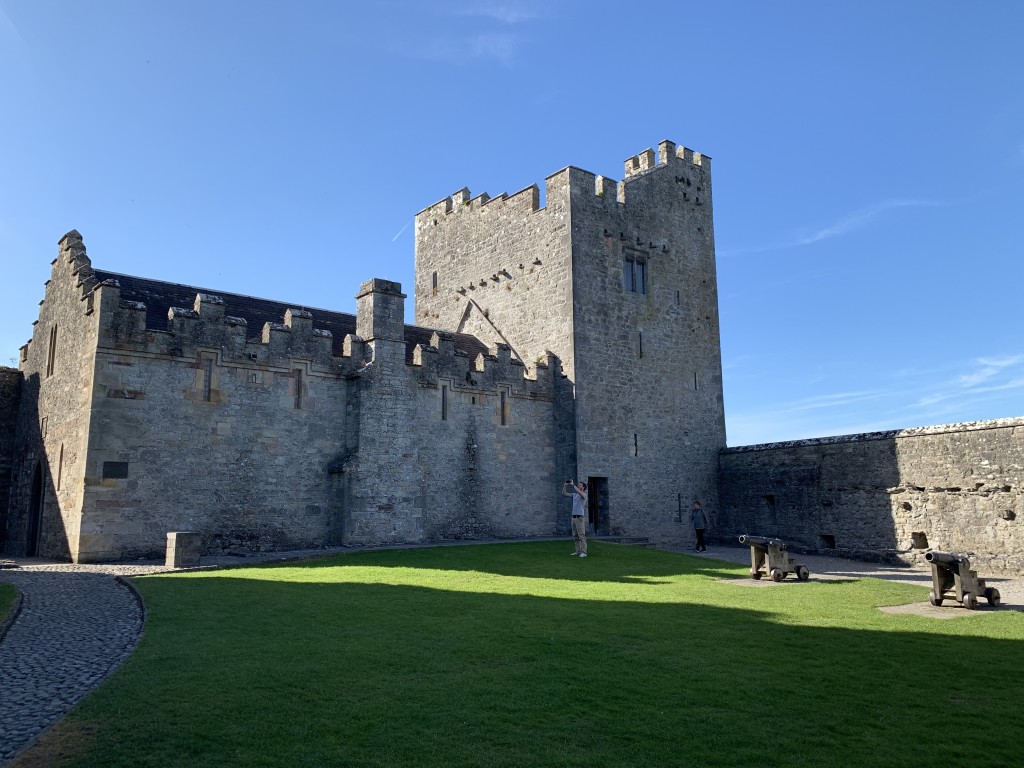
[617, 279]
[579, 339]
[151, 407]
[10, 395]
[885, 494]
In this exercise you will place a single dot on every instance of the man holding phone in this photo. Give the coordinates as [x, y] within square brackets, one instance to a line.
[579, 515]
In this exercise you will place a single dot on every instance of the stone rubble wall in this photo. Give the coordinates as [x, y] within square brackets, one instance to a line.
[54, 413]
[262, 439]
[650, 413]
[640, 403]
[892, 495]
[427, 470]
[10, 398]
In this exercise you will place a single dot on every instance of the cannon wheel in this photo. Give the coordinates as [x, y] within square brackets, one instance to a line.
[777, 574]
[933, 598]
[755, 575]
[970, 602]
[992, 595]
[802, 573]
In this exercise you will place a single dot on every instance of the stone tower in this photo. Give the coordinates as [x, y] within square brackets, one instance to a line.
[616, 280]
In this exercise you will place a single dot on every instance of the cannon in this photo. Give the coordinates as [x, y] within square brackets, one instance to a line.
[952, 577]
[779, 563]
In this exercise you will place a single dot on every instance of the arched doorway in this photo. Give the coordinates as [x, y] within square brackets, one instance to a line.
[35, 512]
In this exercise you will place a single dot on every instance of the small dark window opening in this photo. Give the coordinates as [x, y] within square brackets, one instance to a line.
[636, 445]
[919, 540]
[51, 355]
[60, 466]
[677, 299]
[207, 379]
[42, 426]
[115, 470]
[640, 344]
[826, 541]
[444, 402]
[504, 409]
[298, 389]
[433, 286]
[695, 387]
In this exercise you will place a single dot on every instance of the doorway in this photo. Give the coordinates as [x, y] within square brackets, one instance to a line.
[597, 505]
[35, 512]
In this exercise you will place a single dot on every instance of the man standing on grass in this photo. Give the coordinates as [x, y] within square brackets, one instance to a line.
[579, 515]
[700, 522]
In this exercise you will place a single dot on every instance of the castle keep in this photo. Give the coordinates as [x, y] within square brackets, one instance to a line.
[575, 340]
[578, 339]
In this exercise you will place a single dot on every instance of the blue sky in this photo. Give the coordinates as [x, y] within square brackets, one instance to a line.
[868, 165]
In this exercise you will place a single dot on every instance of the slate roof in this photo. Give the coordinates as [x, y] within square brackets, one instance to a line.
[159, 297]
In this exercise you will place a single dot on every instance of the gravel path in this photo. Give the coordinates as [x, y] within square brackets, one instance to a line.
[78, 623]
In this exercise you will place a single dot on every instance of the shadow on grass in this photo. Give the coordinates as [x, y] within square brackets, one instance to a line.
[236, 671]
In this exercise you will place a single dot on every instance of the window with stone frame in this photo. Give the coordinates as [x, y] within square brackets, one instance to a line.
[634, 272]
[51, 353]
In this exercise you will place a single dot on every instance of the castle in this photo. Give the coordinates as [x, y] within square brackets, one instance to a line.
[575, 340]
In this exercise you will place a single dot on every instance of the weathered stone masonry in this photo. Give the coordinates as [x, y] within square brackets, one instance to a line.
[292, 438]
[891, 494]
[575, 340]
[643, 414]
[10, 395]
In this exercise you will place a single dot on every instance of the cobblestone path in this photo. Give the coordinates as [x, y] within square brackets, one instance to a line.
[74, 628]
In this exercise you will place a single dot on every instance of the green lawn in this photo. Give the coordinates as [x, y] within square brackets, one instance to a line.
[518, 655]
[7, 595]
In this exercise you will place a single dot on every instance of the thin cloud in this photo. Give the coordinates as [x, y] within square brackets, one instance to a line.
[404, 227]
[860, 219]
[989, 367]
[844, 226]
[990, 374]
[506, 13]
[916, 397]
[498, 47]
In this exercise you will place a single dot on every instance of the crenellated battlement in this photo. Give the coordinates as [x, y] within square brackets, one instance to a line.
[668, 153]
[486, 372]
[207, 325]
[527, 200]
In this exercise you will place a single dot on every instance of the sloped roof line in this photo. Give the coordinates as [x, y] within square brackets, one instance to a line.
[159, 296]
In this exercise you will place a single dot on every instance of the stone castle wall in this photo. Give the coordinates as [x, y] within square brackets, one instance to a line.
[641, 406]
[10, 397]
[956, 487]
[579, 339]
[199, 428]
[449, 447]
[266, 439]
[653, 422]
[54, 414]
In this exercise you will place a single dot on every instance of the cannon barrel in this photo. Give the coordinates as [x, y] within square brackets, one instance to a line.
[947, 559]
[760, 541]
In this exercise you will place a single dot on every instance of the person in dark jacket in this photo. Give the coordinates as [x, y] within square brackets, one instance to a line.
[700, 522]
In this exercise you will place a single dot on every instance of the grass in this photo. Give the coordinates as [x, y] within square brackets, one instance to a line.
[518, 655]
[7, 595]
